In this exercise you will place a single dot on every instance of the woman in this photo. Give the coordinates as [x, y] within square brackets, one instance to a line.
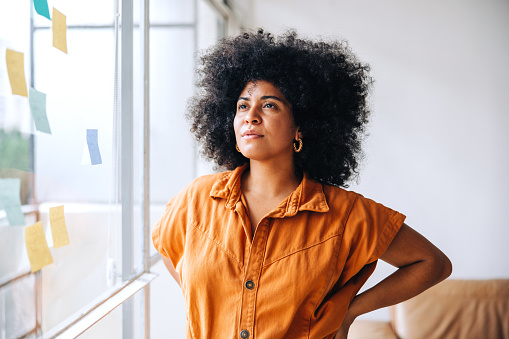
[274, 248]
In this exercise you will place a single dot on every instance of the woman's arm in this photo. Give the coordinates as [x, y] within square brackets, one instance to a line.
[420, 266]
[171, 269]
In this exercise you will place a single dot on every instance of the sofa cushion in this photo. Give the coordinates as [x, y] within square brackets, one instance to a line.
[368, 329]
[455, 309]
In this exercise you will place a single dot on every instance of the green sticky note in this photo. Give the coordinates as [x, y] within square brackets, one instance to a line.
[10, 200]
[41, 7]
[37, 102]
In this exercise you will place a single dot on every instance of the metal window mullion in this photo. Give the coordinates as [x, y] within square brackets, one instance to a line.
[38, 274]
[145, 68]
[126, 130]
[221, 8]
[93, 27]
[126, 159]
[145, 64]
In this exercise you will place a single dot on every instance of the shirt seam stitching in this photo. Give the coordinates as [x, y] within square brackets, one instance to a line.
[303, 249]
[324, 293]
[259, 276]
[220, 247]
[384, 234]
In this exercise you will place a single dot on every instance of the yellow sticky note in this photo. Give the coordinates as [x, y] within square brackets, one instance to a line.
[59, 31]
[16, 72]
[37, 247]
[58, 228]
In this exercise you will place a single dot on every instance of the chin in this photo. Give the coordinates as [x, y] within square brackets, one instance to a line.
[254, 155]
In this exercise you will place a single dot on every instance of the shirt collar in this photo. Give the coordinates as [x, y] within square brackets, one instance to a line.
[307, 196]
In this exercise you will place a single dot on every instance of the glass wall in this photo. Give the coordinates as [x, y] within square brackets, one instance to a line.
[55, 168]
[60, 168]
[79, 86]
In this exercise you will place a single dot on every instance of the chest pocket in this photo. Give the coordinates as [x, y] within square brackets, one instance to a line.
[302, 255]
[300, 234]
[298, 270]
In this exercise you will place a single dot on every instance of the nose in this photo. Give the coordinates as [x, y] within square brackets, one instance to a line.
[253, 117]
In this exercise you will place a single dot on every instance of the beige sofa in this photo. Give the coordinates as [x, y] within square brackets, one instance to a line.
[453, 309]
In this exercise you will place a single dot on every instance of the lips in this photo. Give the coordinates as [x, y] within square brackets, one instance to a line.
[251, 134]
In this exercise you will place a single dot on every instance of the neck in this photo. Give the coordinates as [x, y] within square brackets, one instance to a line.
[270, 179]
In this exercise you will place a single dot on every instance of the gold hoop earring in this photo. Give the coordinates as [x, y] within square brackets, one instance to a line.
[237, 148]
[297, 150]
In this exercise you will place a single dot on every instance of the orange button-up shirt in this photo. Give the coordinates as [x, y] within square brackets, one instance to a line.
[297, 275]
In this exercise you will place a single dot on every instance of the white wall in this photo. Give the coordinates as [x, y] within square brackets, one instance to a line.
[437, 149]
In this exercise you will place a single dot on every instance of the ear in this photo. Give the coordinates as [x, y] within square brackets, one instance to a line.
[298, 134]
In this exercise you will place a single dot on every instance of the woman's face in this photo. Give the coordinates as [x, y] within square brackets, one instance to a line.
[264, 125]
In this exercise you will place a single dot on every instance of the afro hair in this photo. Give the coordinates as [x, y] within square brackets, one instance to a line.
[324, 82]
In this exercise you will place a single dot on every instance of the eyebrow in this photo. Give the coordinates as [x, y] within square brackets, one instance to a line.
[263, 98]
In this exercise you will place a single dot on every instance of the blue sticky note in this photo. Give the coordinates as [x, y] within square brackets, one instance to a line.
[10, 200]
[93, 146]
[41, 7]
[37, 101]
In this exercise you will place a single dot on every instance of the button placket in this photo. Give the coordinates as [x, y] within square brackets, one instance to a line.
[253, 270]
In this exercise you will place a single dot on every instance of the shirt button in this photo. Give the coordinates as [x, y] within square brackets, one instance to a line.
[249, 285]
[244, 334]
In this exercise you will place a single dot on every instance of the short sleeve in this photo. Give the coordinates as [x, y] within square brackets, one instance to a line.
[369, 230]
[169, 232]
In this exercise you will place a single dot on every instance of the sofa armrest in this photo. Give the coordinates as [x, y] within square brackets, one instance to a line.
[455, 309]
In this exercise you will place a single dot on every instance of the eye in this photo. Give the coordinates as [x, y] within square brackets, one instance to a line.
[269, 105]
[241, 107]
